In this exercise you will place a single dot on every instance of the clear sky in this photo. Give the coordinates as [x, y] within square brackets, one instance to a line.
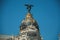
[45, 12]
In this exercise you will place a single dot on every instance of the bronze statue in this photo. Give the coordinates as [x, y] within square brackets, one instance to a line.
[29, 7]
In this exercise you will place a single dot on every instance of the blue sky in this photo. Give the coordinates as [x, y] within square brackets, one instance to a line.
[45, 12]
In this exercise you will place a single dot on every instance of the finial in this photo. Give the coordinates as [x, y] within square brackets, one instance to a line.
[29, 7]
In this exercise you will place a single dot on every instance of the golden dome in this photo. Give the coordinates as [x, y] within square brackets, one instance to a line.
[28, 16]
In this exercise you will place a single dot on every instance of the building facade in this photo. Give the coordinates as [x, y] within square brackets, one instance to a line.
[29, 29]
